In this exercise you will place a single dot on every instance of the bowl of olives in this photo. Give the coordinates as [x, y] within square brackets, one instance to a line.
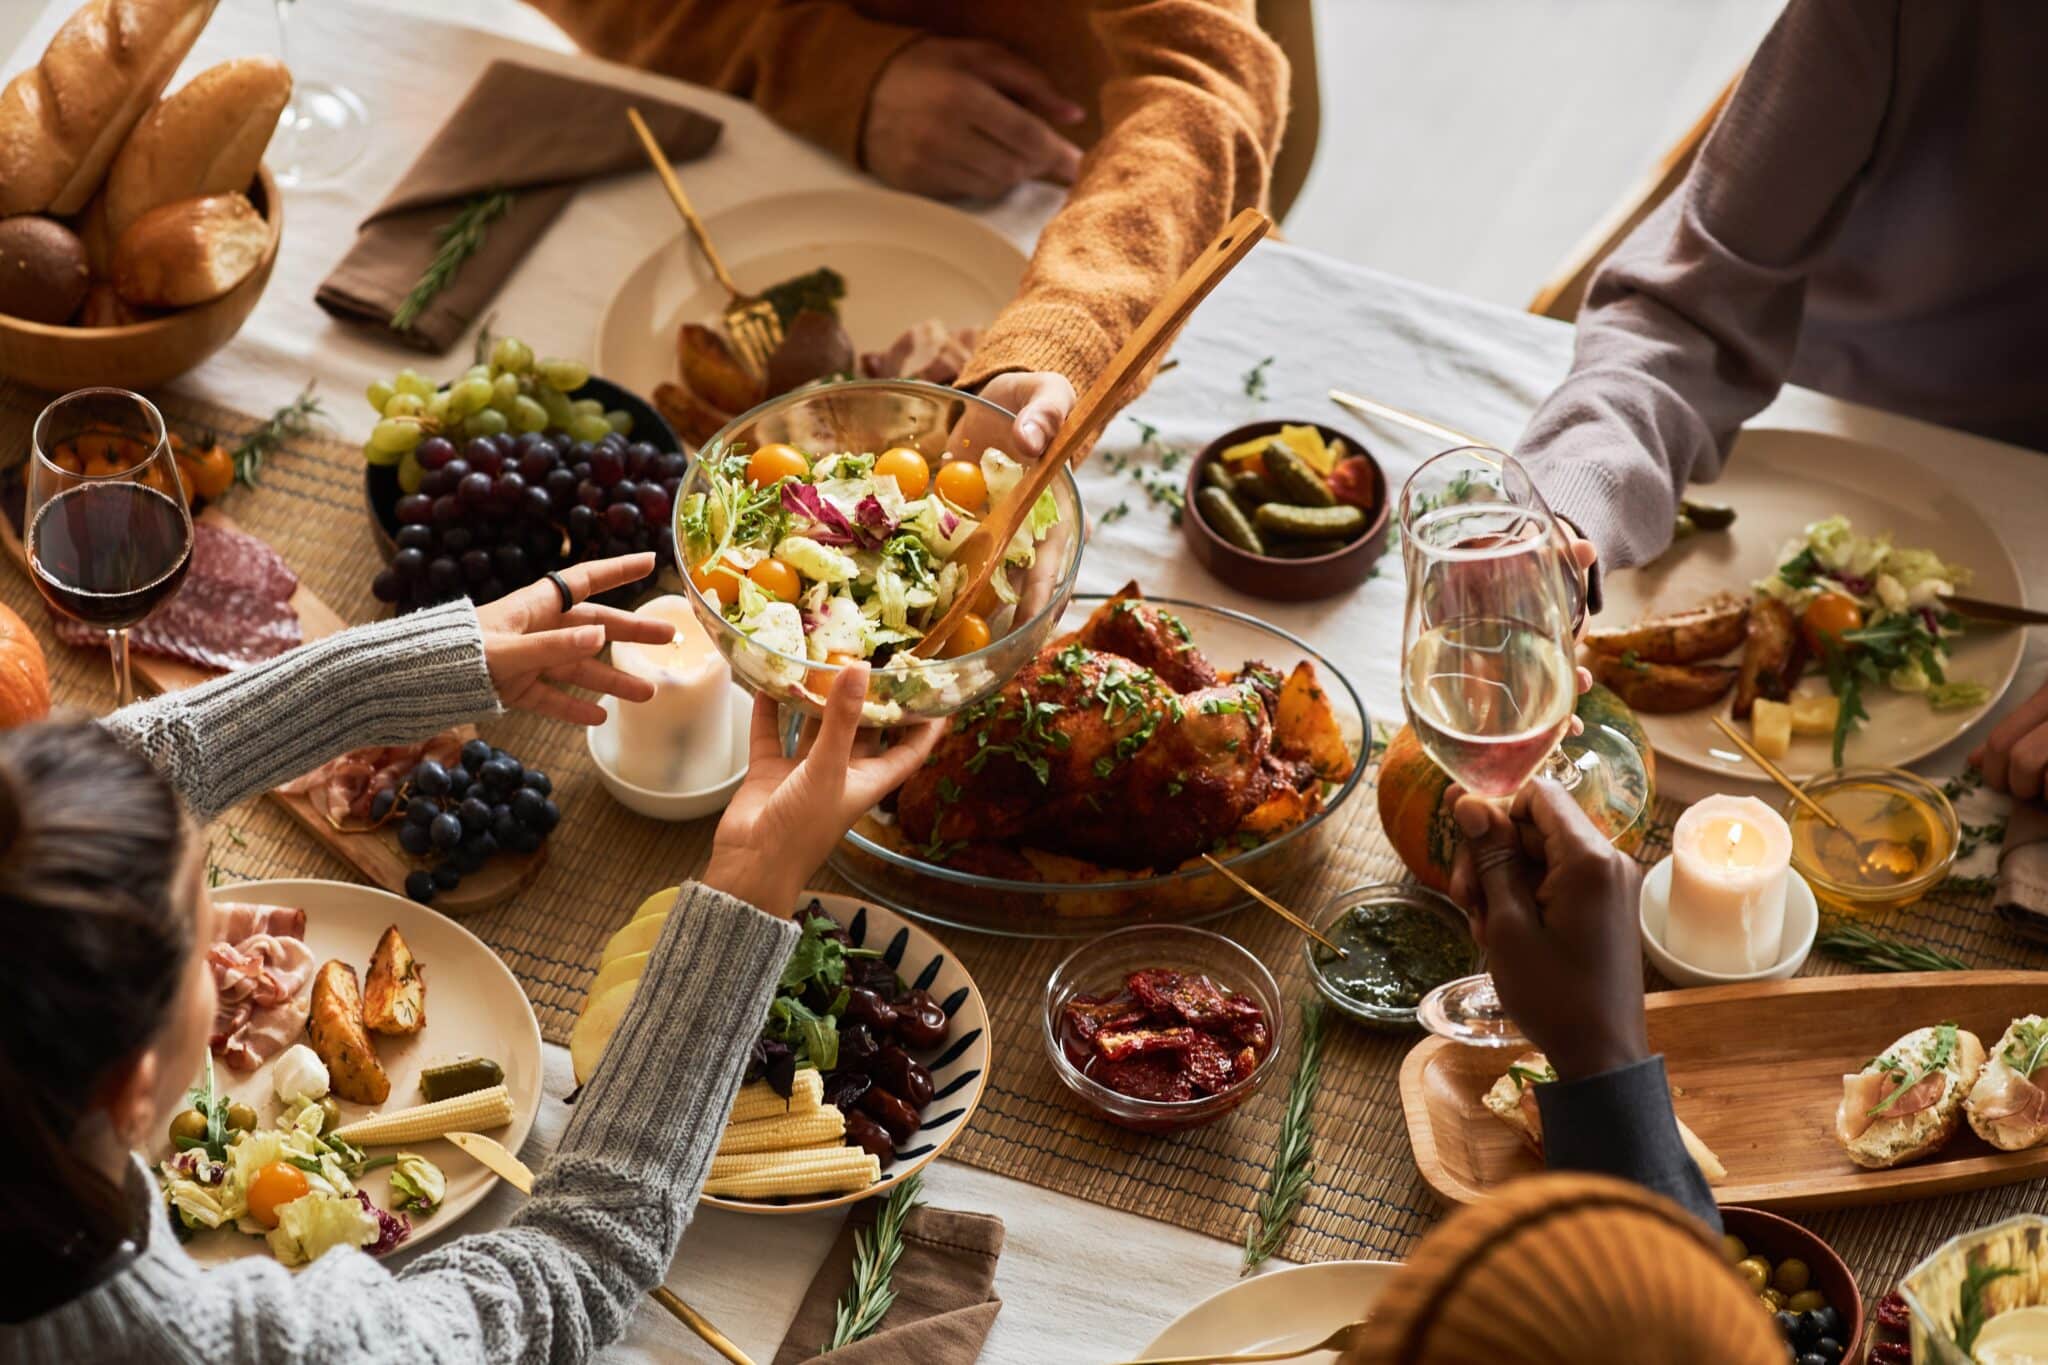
[1799, 1280]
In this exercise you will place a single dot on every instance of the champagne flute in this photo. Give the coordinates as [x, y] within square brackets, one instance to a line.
[321, 131]
[109, 535]
[1488, 679]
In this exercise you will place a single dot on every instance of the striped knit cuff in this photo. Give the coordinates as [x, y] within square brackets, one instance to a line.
[667, 1078]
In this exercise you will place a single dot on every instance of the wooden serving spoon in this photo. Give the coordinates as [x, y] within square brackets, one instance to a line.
[982, 551]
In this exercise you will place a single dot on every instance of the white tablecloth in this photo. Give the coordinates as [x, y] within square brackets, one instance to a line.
[1079, 1282]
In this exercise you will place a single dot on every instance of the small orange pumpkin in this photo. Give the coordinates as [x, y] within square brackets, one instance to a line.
[1412, 787]
[24, 674]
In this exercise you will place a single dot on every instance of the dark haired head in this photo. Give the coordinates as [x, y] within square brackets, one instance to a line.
[97, 934]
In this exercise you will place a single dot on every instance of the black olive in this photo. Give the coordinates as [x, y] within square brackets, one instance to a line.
[920, 1023]
[1788, 1324]
[1826, 1322]
[1829, 1348]
[1814, 1358]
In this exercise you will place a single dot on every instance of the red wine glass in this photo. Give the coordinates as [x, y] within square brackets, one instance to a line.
[108, 532]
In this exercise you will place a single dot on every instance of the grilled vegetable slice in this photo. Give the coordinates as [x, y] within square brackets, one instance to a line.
[1688, 637]
[395, 992]
[1661, 689]
[335, 1029]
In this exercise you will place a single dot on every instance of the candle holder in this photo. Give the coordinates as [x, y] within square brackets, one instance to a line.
[664, 805]
[1802, 923]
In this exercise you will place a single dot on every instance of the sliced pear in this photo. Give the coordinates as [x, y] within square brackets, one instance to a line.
[599, 1022]
[636, 937]
[658, 904]
[631, 967]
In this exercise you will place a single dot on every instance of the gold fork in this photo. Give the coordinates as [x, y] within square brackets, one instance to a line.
[1336, 1341]
[750, 320]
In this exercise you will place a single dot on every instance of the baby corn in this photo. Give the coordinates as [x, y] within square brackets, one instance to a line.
[478, 1111]
[759, 1100]
[826, 1171]
[823, 1124]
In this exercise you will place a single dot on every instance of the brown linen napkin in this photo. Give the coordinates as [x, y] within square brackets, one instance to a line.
[945, 1293]
[534, 132]
[2022, 899]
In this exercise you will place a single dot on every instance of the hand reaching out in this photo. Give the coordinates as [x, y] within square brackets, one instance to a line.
[2014, 757]
[1041, 399]
[530, 642]
[1554, 904]
[956, 116]
[789, 812]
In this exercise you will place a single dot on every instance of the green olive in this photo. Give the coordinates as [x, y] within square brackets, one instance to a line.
[1773, 1300]
[1806, 1301]
[190, 1125]
[1791, 1275]
[243, 1117]
[1755, 1272]
[1732, 1249]
[330, 1114]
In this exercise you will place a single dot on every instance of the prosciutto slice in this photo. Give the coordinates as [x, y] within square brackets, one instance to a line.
[2011, 1096]
[1865, 1090]
[261, 983]
[927, 350]
[239, 920]
[342, 789]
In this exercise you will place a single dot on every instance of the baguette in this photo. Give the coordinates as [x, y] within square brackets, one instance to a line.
[190, 252]
[207, 138]
[1941, 1063]
[2008, 1107]
[1512, 1100]
[63, 119]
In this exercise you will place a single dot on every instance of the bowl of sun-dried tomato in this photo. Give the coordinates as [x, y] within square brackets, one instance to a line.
[1162, 1027]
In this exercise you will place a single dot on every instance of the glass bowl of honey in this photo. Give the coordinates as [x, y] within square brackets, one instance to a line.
[1896, 839]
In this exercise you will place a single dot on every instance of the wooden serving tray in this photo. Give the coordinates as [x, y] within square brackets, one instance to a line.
[374, 853]
[1756, 1071]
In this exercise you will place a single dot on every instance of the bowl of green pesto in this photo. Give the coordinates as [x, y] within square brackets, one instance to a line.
[1402, 941]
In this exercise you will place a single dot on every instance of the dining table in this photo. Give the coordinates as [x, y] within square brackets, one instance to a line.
[1079, 1282]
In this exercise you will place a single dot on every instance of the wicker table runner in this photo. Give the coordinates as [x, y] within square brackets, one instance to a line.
[1367, 1200]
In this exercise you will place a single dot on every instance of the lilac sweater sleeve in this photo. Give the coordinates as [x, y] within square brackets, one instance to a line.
[1691, 326]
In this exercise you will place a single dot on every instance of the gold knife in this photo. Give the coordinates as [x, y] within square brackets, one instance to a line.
[1369, 408]
[1998, 613]
[493, 1156]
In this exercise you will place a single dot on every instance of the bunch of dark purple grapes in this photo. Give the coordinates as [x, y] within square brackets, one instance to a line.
[465, 813]
[505, 510]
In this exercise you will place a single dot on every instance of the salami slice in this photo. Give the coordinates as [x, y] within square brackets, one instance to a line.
[233, 609]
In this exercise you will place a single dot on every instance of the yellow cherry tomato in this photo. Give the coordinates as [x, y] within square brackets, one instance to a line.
[718, 577]
[908, 468]
[272, 1188]
[776, 461]
[1827, 616]
[986, 603]
[777, 579]
[961, 484]
[971, 634]
[213, 470]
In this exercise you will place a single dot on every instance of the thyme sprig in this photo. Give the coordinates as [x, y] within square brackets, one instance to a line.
[293, 420]
[1294, 1161]
[875, 1253]
[459, 239]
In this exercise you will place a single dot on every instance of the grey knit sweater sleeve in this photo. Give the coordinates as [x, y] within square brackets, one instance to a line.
[1692, 325]
[389, 682]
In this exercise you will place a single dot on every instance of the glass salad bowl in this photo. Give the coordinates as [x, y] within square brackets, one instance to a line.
[1075, 899]
[768, 653]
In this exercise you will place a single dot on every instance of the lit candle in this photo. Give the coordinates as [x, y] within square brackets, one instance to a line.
[681, 739]
[1729, 856]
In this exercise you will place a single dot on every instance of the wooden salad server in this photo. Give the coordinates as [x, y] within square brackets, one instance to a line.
[982, 552]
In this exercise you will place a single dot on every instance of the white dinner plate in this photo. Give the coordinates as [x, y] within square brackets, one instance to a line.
[904, 258]
[1295, 1307]
[475, 1008]
[1779, 482]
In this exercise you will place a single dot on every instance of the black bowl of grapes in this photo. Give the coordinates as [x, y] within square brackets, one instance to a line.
[556, 467]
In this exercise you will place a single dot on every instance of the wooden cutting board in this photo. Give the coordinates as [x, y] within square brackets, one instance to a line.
[374, 853]
[1756, 1071]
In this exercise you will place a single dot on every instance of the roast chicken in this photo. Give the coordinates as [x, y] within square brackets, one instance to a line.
[1119, 745]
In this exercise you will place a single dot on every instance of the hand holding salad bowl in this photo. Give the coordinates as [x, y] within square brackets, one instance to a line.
[821, 530]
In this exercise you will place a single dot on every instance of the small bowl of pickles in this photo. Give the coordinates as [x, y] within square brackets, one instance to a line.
[1291, 511]
[1897, 839]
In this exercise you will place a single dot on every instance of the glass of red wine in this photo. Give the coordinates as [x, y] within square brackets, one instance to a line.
[108, 533]
[1495, 602]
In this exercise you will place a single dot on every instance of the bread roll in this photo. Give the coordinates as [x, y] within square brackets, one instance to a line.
[207, 138]
[62, 120]
[42, 269]
[103, 308]
[193, 251]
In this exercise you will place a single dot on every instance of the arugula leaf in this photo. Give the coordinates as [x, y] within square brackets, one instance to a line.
[791, 1021]
[1526, 1076]
[2029, 1048]
[1944, 1048]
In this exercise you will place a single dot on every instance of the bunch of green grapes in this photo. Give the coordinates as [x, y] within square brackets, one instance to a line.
[512, 394]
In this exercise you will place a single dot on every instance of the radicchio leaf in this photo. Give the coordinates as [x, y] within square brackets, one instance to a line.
[392, 1228]
[875, 520]
[830, 524]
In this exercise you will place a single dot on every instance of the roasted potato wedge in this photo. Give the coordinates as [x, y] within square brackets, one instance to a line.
[1706, 632]
[395, 991]
[335, 1030]
[1305, 726]
[694, 420]
[713, 372]
[1660, 689]
[1772, 655]
[1278, 813]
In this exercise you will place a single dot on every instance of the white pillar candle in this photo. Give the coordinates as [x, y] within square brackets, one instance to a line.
[681, 739]
[1729, 856]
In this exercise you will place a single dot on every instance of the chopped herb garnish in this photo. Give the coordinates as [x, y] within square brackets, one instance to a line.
[1255, 380]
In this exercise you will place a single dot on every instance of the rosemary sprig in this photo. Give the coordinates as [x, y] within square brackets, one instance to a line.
[1294, 1161]
[875, 1251]
[1854, 944]
[459, 239]
[294, 419]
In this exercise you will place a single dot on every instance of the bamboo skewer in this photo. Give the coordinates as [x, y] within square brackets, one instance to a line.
[1276, 907]
[1369, 407]
[1776, 774]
